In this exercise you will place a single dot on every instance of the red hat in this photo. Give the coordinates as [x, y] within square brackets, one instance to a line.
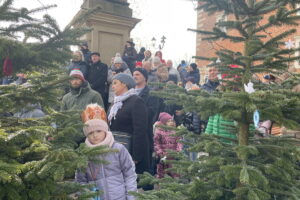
[231, 66]
[138, 64]
[78, 74]
[164, 117]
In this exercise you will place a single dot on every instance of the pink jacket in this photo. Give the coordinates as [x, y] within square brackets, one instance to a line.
[165, 140]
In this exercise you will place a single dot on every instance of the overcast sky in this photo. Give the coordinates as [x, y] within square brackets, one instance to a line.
[159, 17]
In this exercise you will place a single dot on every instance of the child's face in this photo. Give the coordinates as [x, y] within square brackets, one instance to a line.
[95, 137]
[170, 122]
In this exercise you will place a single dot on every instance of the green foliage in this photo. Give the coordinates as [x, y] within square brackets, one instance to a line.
[39, 157]
[43, 45]
[257, 168]
[265, 169]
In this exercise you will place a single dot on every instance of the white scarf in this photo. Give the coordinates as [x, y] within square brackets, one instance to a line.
[118, 103]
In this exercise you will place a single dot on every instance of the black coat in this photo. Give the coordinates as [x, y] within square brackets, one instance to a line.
[97, 77]
[152, 104]
[130, 56]
[87, 55]
[132, 118]
[194, 74]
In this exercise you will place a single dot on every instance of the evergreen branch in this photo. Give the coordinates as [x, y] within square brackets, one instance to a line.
[5, 6]
[236, 25]
[52, 23]
[43, 8]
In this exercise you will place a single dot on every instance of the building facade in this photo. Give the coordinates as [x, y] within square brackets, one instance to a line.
[208, 49]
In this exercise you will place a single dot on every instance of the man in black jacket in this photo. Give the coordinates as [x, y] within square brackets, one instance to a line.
[213, 82]
[97, 76]
[140, 76]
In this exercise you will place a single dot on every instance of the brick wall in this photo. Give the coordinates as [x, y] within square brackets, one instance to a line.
[208, 49]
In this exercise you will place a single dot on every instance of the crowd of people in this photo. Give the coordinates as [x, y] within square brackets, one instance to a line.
[134, 116]
[136, 122]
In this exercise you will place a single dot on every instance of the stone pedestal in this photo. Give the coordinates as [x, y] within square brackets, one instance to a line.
[111, 26]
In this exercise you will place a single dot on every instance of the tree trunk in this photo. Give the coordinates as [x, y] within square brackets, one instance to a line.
[243, 133]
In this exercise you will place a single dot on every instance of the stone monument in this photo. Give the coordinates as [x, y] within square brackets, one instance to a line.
[111, 26]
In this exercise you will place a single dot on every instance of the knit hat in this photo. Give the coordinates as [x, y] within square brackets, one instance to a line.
[126, 79]
[78, 74]
[95, 53]
[164, 117]
[142, 71]
[138, 64]
[95, 125]
[118, 59]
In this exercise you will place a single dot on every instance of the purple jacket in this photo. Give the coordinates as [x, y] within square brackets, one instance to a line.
[164, 140]
[115, 179]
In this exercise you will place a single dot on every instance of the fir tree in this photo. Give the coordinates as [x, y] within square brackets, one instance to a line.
[253, 168]
[38, 157]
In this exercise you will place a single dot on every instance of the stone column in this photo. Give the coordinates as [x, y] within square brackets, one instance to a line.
[111, 26]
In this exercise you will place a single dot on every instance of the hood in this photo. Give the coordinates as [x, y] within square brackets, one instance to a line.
[124, 66]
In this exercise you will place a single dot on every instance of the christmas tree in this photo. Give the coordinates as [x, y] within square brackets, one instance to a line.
[39, 156]
[248, 167]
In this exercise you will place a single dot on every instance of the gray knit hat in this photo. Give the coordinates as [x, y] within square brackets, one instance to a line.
[126, 79]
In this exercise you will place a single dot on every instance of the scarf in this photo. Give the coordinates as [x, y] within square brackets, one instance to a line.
[108, 140]
[118, 103]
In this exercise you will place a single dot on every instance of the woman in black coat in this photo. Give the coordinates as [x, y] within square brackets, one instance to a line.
[130, 55]
[128, 114]
[193, 72]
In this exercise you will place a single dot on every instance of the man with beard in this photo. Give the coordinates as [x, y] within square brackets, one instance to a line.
[80, 94]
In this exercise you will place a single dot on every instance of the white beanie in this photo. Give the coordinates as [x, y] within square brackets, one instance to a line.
[118, 60]
[94, 125]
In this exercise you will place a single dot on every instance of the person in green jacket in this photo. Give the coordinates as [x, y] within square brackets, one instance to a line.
[81, 93]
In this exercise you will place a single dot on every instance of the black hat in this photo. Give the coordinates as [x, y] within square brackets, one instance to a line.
[131, 43]
[194, 66]
[142, 71]
[84, 44]
[95, 53]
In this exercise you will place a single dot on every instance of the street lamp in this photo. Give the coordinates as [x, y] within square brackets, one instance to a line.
[162, 42]
[153, 41]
